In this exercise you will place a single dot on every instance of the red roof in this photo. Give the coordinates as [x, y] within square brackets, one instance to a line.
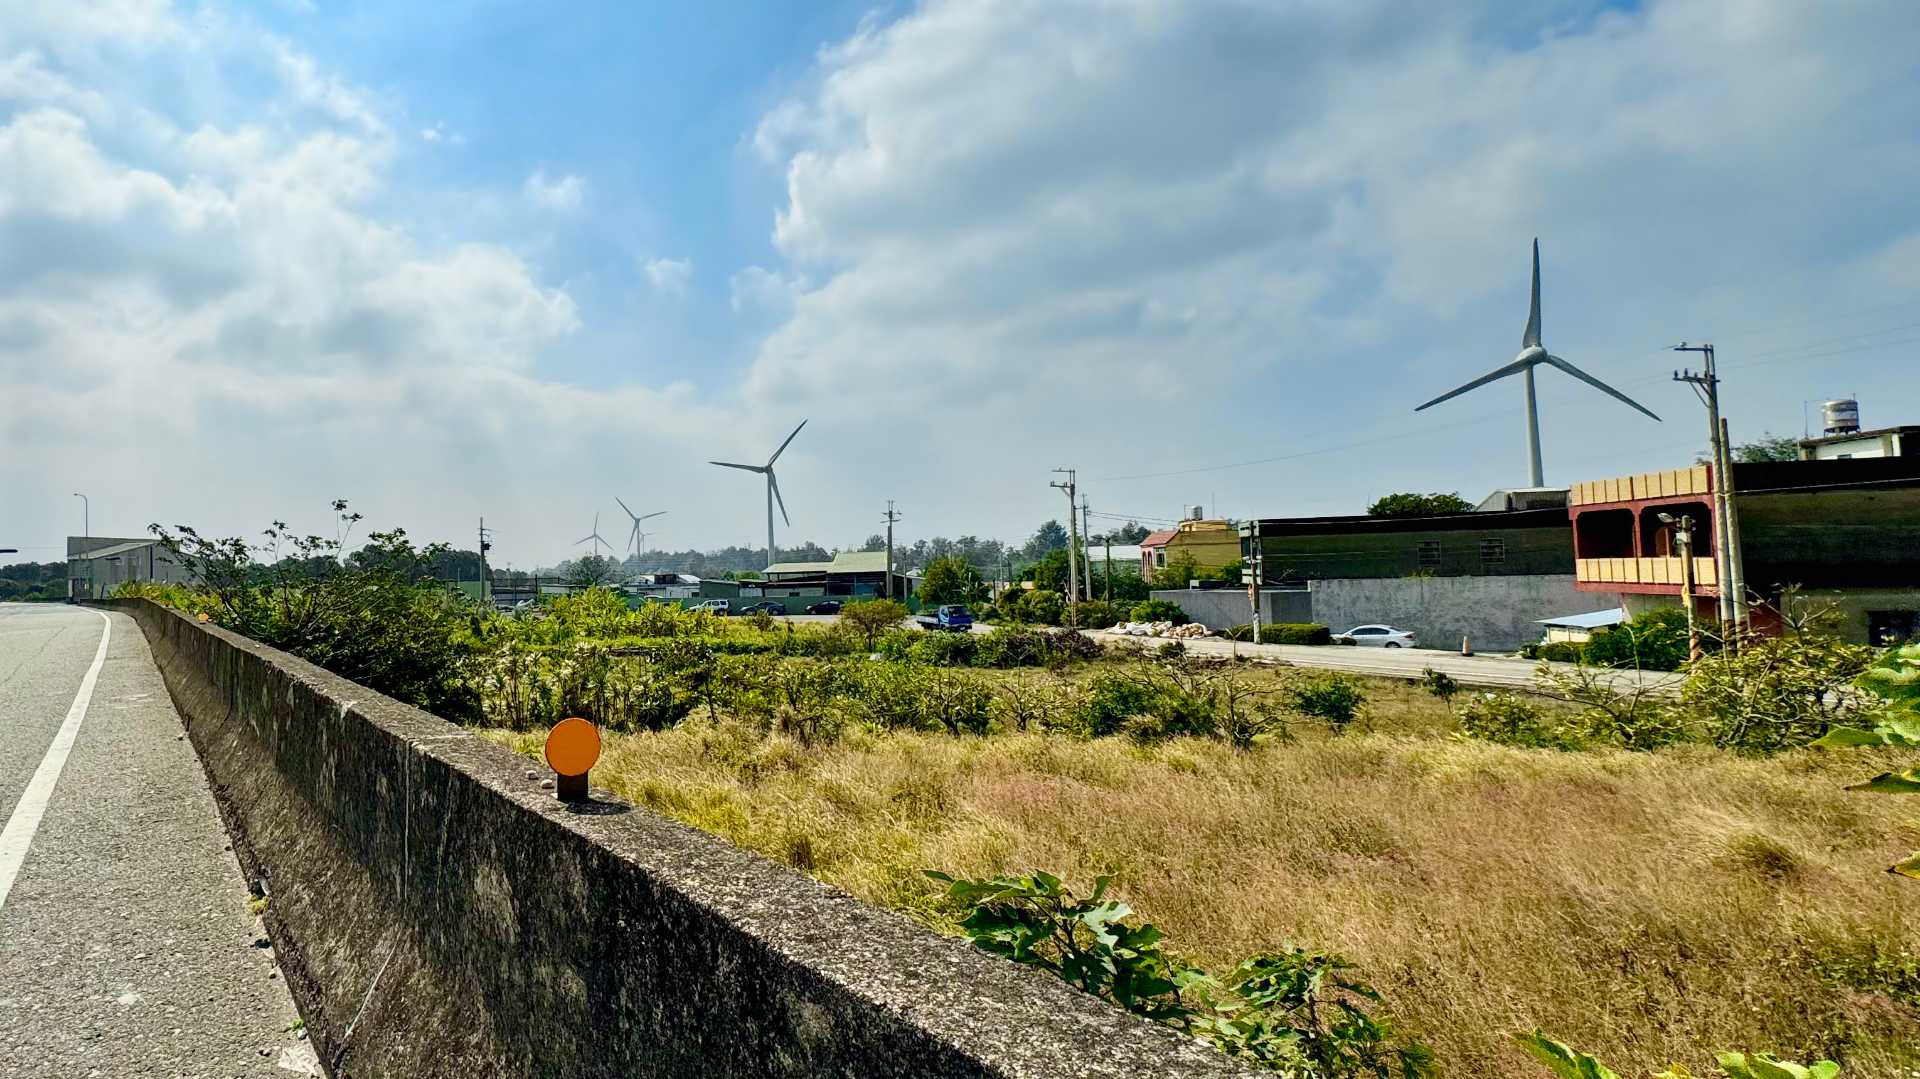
[1159, 539]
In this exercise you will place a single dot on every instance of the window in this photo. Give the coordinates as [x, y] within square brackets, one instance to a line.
[1493, 552]
[1160, 558]
[1430, 554]
[1369, 631]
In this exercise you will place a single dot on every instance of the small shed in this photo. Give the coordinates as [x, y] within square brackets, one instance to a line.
[1580, 628]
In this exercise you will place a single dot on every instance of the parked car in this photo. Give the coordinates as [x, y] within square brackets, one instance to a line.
[951, 617]
[771, 606]
[1377, 636]
[825, 606]
[711, 606]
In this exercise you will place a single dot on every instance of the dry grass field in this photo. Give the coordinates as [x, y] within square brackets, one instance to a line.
[1645, 907]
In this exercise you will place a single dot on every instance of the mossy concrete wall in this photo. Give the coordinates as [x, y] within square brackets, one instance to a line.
[437, 913]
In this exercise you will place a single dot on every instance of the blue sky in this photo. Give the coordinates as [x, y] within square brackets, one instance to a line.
[447, 261]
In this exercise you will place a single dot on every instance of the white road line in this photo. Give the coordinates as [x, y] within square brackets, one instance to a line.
[33, 804]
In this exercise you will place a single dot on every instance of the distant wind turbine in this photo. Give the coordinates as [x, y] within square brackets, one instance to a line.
[637, 537]
[1533, 354]
[773, 487]
[594, 537]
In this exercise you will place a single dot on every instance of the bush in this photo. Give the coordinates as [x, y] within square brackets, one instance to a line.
[1012, 647]
[945, 649]
[1508, 719]
[952, 580]
[1159, 610]
[1094, 613]
[1070, 644]
[1336, 699]
[1110, 700]
[955, 701]
[1295, 633]
[872, 617]
[1043, 606]
[1779, 693]
[1655, 641]
[1557, 651]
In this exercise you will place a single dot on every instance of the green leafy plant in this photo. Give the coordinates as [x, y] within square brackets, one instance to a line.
[1094, 614]
[1507, 719]
[1638, 716]
[1158, 610]
[1781, 692]
[872, 617]
[1295, 633]
[1042, 605]
[1295, 1011]
[1440, 684]
[1569, 1063]
[1653, 641]
[952, 580]
[1335, 699]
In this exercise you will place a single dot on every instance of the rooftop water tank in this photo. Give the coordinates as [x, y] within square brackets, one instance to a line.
[1842, 416]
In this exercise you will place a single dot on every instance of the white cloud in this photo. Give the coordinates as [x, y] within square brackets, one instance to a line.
[757, 290]
[24, 77]
[563, 192]
[671, 276]
[440, 133]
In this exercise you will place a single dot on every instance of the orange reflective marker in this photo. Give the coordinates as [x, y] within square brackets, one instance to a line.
[572, 748]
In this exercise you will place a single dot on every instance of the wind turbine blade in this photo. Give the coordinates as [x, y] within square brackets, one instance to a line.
[1532, 336]
[1513, 368]
[634, 536]
[747, 468]
[623, 505]
[1598, 385]
[651, 516]
[775, 482]
[583, 539]
[784, 445]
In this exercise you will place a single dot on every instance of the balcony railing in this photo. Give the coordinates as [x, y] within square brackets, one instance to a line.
[1665, 571]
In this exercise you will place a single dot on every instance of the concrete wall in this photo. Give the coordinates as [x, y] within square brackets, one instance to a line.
[438, 914]
[1224, 608]
[1495, 613]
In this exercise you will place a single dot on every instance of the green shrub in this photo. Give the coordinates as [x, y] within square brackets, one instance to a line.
[870, 618]
[1110, 699]
[1043, 606]
[1557, 651]
[1335, 699]
[1780, 692]
[887, 696]
[1569, 1063]
[1654, 641]
[1014, 646]
[945, 649]
[1159, 610]
[956, 701]
[1094, 614]
[1507, 719]
[1295, 633]
[1069, 645]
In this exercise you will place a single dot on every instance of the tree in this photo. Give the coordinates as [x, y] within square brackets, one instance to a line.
[1179, 570]
[873, 617]
[1051, 536]
[1412, 504]
[590, 570]
[952, 580]
[1050, 572]
[875, 542]
[1131, 532]
[1768, 447]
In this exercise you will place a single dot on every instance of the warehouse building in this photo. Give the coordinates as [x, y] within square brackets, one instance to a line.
[96, 565]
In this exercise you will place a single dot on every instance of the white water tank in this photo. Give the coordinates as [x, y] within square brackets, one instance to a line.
[1842, 417]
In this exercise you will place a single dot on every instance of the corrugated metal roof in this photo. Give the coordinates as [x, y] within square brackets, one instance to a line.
[118, 548]
[860, 562]
[799, 567]
[1612, 616]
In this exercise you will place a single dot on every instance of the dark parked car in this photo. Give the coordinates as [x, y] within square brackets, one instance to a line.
[825, 606]
[771, 606]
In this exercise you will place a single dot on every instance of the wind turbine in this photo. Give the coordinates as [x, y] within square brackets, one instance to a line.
[1533, 354]
[594, 537]
[773, 487]
[636, 537]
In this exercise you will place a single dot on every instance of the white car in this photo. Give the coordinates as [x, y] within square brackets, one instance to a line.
[1377, 636]
[711, 606]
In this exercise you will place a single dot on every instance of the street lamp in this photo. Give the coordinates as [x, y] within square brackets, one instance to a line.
[1683, 539]
[86, 533]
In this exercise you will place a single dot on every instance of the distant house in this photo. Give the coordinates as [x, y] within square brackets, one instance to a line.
[96, 565]
[1153, 552]
[1580, 628]
[849, 575]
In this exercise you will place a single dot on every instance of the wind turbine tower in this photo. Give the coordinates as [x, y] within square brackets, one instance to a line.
[636, 537]
[773, 487]
[593, 537]
[1532, 355]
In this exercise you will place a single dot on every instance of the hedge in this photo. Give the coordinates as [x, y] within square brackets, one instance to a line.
[1284, 633]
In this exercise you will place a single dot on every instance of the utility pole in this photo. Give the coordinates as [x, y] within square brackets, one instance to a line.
[86, 538]
[1706, 386]
[1683, 539]
[886, 579]
[485, 579]
[1072, 488]
[1086, 531]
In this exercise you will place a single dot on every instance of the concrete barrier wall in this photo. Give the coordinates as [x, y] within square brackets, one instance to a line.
[1495, 613]
[1224, 608]
[438, 914]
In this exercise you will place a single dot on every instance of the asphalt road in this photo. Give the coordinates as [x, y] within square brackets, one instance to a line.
[126, 944]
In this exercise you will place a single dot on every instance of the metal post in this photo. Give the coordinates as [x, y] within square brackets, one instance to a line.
[886, 579]
[1086, 530]
[86, 534]
[1535, 474]
[1706, 386]
[1073, 536]
[1736, 565]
